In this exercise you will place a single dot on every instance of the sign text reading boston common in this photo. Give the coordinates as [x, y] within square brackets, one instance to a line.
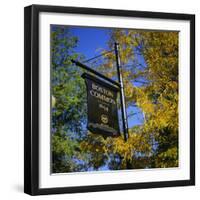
[101, 97]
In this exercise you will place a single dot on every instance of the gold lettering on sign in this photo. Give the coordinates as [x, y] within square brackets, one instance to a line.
[105, 108]
[102, 90]
[102, 94]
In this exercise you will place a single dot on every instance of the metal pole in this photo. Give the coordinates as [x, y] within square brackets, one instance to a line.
[122, 97]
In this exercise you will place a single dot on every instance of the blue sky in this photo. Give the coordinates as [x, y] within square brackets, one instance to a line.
[90, 41]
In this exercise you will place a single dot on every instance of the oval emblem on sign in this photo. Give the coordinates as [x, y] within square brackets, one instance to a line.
[104, 119]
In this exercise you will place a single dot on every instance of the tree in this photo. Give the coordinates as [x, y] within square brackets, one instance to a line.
[68, 101]
[150, 72]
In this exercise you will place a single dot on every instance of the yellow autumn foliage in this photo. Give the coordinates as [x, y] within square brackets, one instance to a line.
[155, 142]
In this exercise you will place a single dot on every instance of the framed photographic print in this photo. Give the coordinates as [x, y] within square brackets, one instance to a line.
[109, 100]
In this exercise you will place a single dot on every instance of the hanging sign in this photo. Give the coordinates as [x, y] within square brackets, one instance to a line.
[102, 107]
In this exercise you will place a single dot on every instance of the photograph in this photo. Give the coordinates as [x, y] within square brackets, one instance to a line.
[114, 99]
[109, 98]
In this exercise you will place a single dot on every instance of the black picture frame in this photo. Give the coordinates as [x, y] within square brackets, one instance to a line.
[31, 98]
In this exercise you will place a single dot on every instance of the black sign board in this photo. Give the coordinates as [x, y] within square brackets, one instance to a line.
[102, 107]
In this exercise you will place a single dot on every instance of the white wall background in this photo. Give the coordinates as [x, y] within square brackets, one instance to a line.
[11, 98]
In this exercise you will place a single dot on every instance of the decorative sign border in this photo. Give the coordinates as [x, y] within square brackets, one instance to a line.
[35, 180]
